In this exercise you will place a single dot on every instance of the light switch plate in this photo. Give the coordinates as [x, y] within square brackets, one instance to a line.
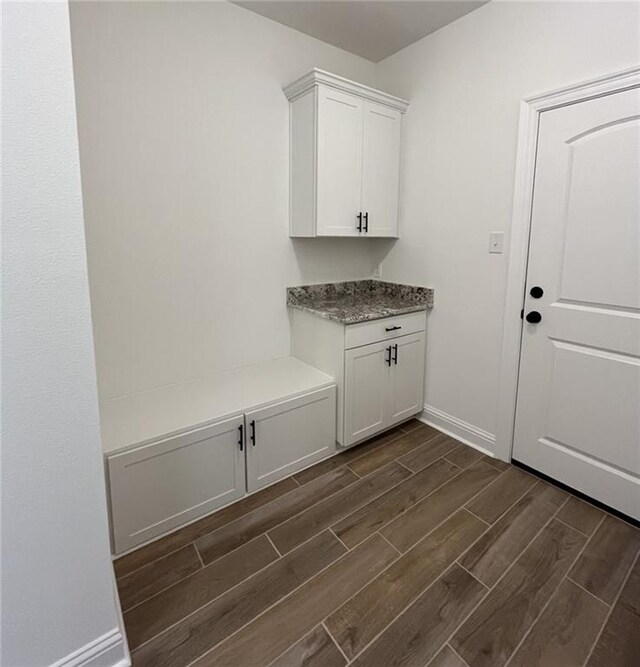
[496, 242]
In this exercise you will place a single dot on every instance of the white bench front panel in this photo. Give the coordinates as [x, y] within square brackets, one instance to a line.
[160, 486]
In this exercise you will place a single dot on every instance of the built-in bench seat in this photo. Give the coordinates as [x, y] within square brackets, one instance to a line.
[179, 452]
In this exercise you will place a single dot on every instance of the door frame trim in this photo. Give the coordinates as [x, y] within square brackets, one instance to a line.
[530, 110]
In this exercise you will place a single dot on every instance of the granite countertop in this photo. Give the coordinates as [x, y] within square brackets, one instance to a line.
[359, 300]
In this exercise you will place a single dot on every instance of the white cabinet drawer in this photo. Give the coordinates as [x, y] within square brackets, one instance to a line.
[163, 485]
[383, 329]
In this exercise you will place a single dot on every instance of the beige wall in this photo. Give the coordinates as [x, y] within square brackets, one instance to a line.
[183, 140]
[465, 83]
[184, 153]
[58, 589]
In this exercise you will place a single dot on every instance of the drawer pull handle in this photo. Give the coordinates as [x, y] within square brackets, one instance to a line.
[388, 359]
[253, 432]
[241, 441]
[392, 328]
[360, 221]
[395, 354]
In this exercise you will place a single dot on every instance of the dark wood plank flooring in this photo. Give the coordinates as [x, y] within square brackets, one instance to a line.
[409, 550]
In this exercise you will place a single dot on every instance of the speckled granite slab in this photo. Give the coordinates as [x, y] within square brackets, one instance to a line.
[359, 300]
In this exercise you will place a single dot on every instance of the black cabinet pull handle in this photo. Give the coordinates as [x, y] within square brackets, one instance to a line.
[533, 317]
[366, 221]
[395, 354]
[241, 441]
[536, 292]
[392, 328]
[388, 359]
[360, 221]
[253, 432]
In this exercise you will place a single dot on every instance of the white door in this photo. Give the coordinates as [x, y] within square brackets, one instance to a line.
[339, 163]
[578, 408]
[166, 484]
[284, 438]
[365, 391]
[406, 381]
[381, 169]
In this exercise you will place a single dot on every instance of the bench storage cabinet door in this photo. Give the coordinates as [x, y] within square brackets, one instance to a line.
[165, 484]
[288, 436]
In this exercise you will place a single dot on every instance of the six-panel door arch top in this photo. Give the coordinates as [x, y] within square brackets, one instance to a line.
[578, 410]
[345, 142]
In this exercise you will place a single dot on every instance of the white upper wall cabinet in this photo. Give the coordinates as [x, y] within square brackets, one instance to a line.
[344, 157]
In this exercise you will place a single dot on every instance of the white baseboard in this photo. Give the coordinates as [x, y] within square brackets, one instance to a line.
[109, 650]
[460, 430]
[126, 661]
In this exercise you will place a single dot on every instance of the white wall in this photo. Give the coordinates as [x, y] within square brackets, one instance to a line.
[57, 579]
[184, 153]
[465, 83]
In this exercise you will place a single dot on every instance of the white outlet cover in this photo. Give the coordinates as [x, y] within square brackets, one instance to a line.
[496, 242]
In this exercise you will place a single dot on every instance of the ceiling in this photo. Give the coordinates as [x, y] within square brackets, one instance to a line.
[373, 29]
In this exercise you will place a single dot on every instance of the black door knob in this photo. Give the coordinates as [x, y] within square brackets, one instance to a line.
[534, 317]
[536, 292]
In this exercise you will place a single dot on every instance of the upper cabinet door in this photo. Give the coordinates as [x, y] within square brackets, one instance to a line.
[339, 173]
[381, 169]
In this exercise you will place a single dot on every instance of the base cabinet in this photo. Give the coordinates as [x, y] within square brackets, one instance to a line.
[378, 366]
[166, 484]
[383, 385]
[163, 485]
[289, 436]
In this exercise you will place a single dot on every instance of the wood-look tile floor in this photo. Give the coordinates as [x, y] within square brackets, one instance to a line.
[411, 550]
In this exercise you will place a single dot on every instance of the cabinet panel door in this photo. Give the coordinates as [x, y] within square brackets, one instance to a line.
[406, 390]
[165, 484]
[381, 169]
[365, 391]
[289, 436]
[339, 174]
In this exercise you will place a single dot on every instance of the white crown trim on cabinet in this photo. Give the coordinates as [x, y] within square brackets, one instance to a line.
[108, 650]
[317, 76]
[459, 430]
[530, 110]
